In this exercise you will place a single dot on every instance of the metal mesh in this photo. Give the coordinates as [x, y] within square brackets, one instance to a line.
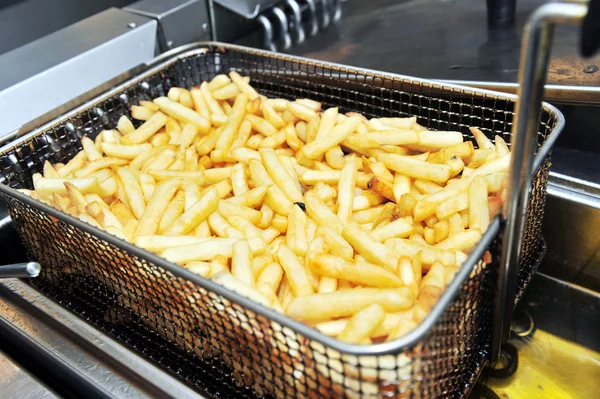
[221, 347]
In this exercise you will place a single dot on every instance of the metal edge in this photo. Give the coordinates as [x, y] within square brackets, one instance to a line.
[65, 323]
[567, 94]
[183, 52]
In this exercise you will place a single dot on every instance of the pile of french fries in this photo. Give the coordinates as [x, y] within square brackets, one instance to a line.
[354, 226]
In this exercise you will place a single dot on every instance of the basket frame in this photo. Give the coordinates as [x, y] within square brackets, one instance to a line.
[177, 55]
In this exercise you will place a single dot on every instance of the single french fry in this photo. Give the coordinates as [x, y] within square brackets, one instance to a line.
[183, 113]
[100, 163]
[261, 125]
[416, 168]
[195, 214]
[279, 175]
[156, 208]
[382, 188]
[398, 228]
[336, 135]
[461, 241]
[146, 130]
[346, 187]
[363, 273]
[238, 111]
[124, 151]
[320, 212]
[241, 263]
[482, 141]
[452, 205]
[124, 125]
[44, 187]
[296, 231]
[367, 216]
[479, 217]
[294, 271]
[243, 85]
[336, 243]
[141, 113]
[227, 208]
[77, 198]
[348, 302]
[362, 324]
[368, 247]
[133, 191]
[147, 184]
[90, 150]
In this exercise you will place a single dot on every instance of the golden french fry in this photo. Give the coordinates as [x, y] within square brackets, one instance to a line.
[141, 113]
[296, 231]
[90, 150]
[301, 111]
[227, 208]
[124, 125]
[294, 271]
[77, 198]
[241, 262]
[261, 125]
[182, 113]
[146, 130]
[195, 214]
[46, 186]
[279, 174]
[479, 217]
[398, 228]
[416, 168]
[382, 188]
[335, 136]
[362, 324]
[272, 116]
[156, 208]
[346, 187]
[452, 205]
[133, 191]
[429, 254]
[124, 151]
[363, 273]
[100, 163]
[461, 241]
[348, 302]
[227, 137]
[364, 243]
[336, 243]
[243, 85]
[482, 141]
[320, 212]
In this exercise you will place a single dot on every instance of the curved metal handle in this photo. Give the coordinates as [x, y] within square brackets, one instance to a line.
[314, 24]
[535, 53]
[284, 29]
[297, 21]
[325, 17]
[20, 270]
[268, 33]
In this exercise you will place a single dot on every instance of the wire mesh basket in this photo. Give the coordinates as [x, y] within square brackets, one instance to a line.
[221, 342]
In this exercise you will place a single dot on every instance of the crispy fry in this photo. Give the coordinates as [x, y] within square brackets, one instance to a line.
[182, 113]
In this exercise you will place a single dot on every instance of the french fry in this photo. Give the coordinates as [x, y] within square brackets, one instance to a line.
[243, 85]
[241, 263]
[133, 191]
[227, 137]
[100, 163]
[320, 213]
[227, 208]
[226, 92]
[461, 241]
[261, 125]
[296, 231]
[415, 168]
[231, 283]
[294, 272]
[382, 188]
[156, 208]
[141, 113]
[124, 125]
[182, 113]
[124, 151]
[398, 228]
[482, 141]
[368, 247]
[479, 217]
[147, 185]
[318, 147]
[362, 324]
[363, 273]
[279, 175]
[336, 243]
[44, 187]
[346, 187]
[146, 130]
[348, 302]
[195, 214]
[453, 205]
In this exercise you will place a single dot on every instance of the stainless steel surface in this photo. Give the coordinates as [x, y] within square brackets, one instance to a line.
[51, 71]
[179, 21]
[535, 55]
[451, 41]
[55, 335]
[573, 217]
[17, 383]
[248, 9]
[20, 270]
[267, 32]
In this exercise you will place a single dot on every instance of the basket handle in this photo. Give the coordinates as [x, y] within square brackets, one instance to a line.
[20, 270]
[535, 54]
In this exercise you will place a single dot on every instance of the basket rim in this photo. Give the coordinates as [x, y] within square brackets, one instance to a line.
[179, 54]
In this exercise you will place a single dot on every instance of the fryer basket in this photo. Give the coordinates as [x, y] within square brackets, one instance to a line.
[223, 343]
